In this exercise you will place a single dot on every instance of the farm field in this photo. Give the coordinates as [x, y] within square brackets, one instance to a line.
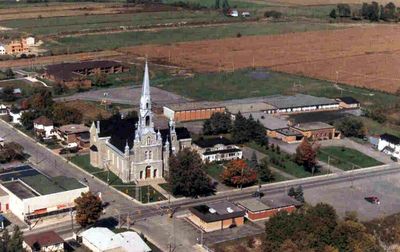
[320, 2]
[370, 51]
[174, 35]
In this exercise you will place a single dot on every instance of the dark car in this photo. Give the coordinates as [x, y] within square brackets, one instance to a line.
[373, 200]
[257, 194]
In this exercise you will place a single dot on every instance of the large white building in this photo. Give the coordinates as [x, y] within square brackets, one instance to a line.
[132, 148]
[217, 149]
[389, 145]
[29, 194]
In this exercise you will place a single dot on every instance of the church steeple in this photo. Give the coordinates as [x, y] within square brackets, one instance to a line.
[145, 115]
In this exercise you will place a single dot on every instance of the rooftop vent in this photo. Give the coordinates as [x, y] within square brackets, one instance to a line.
[230, 210]
[212, 210]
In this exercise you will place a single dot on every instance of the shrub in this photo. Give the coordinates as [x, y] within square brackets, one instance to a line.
[273, 14]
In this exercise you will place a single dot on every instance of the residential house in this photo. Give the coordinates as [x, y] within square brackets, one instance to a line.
[266, 207]
[217, 149]
[44, 241]
[15, 115]
[390, 145]
[99, 239]
[17, 47]
[2, 49]
[216, 216]
[74, 135]
[44, 127]
[3, 109]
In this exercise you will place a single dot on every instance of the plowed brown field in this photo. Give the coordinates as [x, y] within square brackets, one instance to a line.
[365, 56]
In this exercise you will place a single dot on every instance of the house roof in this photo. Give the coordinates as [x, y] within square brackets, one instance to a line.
[312, 126]
[106, 240]
[42, 120]
[73, 128]
[216, 211]
[268, 203]
[211, 142]
[222, 151]
[390, 138]
[348, 100]
[288, 132]
[43, 239]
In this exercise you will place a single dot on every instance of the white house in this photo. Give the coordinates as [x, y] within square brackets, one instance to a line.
[44, 127]
[99, 239]
[2, 49]
[217, 149]
[30, 41]
[389, 145]
[15, 116]
[3, 109]
[44, 241]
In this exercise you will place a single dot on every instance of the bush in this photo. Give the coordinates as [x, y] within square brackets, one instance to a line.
[272, 14]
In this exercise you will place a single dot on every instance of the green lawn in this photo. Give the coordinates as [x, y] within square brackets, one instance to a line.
[116, 40]
[346, 158]
[144, 193]
[215, 170]
[285, 164]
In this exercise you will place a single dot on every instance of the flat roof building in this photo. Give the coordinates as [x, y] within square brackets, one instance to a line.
[44, 241]
[266, 207]
[32, 195]
[191, 111]
[317, 130]
[216, 216]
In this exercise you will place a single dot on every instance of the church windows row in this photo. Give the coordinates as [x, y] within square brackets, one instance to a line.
[148, 155]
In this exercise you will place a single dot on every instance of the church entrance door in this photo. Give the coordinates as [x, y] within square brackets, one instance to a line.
[148, 171]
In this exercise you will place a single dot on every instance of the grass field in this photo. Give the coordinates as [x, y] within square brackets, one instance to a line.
[346, 158]
[59, 25]
[98, 42]
[146, 193]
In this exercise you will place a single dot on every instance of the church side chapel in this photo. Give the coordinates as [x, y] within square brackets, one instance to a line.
[133, 148]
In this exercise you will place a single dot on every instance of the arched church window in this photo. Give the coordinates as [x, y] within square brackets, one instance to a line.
[147, 105]
[147, 120]
[150, 155]
[148, 141]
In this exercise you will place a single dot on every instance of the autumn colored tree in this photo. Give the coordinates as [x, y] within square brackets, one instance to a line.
[238, 173]
[65, 115]
[186, 175]
[306, 155]
[88, 209]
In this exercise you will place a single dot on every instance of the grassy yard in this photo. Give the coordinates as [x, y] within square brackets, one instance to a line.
[145, 193]
[215, 171]
[346, 158]
[284, 163]
[116, 40]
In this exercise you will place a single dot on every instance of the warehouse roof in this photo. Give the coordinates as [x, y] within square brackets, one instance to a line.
[348, 100]
[183, 106]
[267, 203]
[390, 138]
[268, 121]
[298, 100]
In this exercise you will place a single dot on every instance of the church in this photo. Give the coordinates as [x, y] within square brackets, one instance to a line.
[131, 147]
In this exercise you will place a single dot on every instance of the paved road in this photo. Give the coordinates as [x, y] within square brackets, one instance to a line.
[53, 165]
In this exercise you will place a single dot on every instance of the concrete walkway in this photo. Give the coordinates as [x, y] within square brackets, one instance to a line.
[365, 149]
[248, 152]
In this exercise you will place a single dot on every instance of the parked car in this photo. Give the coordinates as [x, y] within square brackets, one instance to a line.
[373, 200]
[257, 194]
[245, 14]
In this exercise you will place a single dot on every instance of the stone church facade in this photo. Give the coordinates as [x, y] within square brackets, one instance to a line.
[132, 148]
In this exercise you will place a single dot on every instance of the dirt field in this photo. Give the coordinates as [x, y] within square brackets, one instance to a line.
[89, 110]
[365, 56]
[47, 60]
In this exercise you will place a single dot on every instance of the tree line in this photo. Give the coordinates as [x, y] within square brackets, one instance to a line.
[369, 11]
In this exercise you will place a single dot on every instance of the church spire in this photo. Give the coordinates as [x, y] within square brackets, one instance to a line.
[145, 114]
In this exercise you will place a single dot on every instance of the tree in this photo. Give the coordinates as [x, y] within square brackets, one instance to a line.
[219, 123]
[332, 14]
[217, 4]
[297, 193]
[253, 163]
[8, 94]
[344, 10]
[41, 101]
[100, 79]
[9, 73]
[5, 240]
[88, 209]
[364, 10]
[238, 173]
[27, 119]
[351, 127]
[306, 155]
[373, 11]
[240, 133]
[264, 173]
[15, 244]
[66, 115]
[186, 175]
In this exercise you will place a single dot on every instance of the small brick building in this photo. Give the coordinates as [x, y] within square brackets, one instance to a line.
[266, 207]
